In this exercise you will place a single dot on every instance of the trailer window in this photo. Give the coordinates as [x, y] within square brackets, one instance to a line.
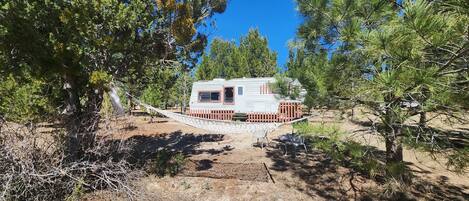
[215, 96]
[229, 95]
[209, 96]
[240, 91]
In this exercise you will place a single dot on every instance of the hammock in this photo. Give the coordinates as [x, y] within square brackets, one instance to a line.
[258, 130]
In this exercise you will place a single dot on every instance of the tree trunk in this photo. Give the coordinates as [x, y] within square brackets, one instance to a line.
[80, 123]
[72, 114]
[184, 92]
[90, 123]
[129, 105]
[393, 139]
[395, 167]
[423, 119]
[394, 148]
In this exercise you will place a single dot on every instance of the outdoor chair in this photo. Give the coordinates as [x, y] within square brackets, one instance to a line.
[261, 138]
[294, 140]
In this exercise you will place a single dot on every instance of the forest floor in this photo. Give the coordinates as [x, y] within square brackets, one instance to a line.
[229, 167]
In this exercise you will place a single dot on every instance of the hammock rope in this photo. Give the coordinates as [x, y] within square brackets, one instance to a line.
[258, 130]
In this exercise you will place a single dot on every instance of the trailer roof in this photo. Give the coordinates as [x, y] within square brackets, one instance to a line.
[217, 80]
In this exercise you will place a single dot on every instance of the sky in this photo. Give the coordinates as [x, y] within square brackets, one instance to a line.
[277, 20]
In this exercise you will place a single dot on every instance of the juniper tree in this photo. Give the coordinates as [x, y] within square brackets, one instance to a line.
[73, 40]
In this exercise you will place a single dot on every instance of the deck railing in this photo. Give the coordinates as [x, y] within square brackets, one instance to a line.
[287, 111]
[212, 114]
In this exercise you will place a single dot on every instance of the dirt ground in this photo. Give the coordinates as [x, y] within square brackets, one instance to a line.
[307, 175]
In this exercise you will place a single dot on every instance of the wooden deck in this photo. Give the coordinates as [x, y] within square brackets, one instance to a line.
[287, 111]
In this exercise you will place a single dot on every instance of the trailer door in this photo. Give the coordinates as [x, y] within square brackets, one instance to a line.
[240, 98]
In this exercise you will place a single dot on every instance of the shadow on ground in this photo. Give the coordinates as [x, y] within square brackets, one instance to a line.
[331, 181]
[444, 139]
[139, 149]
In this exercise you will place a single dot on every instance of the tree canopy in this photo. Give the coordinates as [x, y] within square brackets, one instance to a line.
[252, 58]
[397, 58]
[83, 45]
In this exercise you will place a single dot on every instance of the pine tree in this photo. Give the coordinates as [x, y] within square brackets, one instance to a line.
[397, 59]
[262, 62]
[252, 58]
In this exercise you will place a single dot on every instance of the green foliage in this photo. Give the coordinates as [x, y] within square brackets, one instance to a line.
[152, 95]
[324, 137]
[165, 163]
[387, 56]
[167, 87]
[182, 90]
[106, 107]
[285, 87]
[84, 43]
[252, 58]
[261, 61]
[315, 74]
[330, 139]
[224, 60]
[100, 79]
[331, 131]
[438, 144]
[77, 192]
[458, 160]
[24, 100]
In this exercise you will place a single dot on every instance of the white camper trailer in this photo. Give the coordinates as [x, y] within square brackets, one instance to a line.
[221, 99]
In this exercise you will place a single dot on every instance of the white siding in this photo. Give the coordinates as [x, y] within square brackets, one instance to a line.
[251, 101]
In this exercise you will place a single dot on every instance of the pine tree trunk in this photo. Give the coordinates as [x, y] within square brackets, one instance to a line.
[423, 119]
[394, 148]
[184, 93]
[393, 142]
[393, 138]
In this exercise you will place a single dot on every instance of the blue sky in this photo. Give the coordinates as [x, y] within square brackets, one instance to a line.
[276, 19]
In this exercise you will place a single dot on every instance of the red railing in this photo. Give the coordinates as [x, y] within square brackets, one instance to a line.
[212, 114]
[262, 117]
[287, 111]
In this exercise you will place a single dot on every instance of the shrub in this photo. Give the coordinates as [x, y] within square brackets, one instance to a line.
[25, 100]
[33, 167]
[458, 160]
[325, 137]
[166, 162]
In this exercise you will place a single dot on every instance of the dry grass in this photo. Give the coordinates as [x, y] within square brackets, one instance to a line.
[310, 176]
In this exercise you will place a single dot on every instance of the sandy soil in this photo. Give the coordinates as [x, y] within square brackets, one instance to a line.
[304, 176]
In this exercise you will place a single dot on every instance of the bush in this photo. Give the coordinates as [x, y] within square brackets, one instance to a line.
[33, 167]
[284, 87]
[166, 162]
[325, 137]
[25, 100]
[458, 160]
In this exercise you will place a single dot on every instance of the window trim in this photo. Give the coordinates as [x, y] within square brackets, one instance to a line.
[234, 93]
[242, 90]
[210, 101]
